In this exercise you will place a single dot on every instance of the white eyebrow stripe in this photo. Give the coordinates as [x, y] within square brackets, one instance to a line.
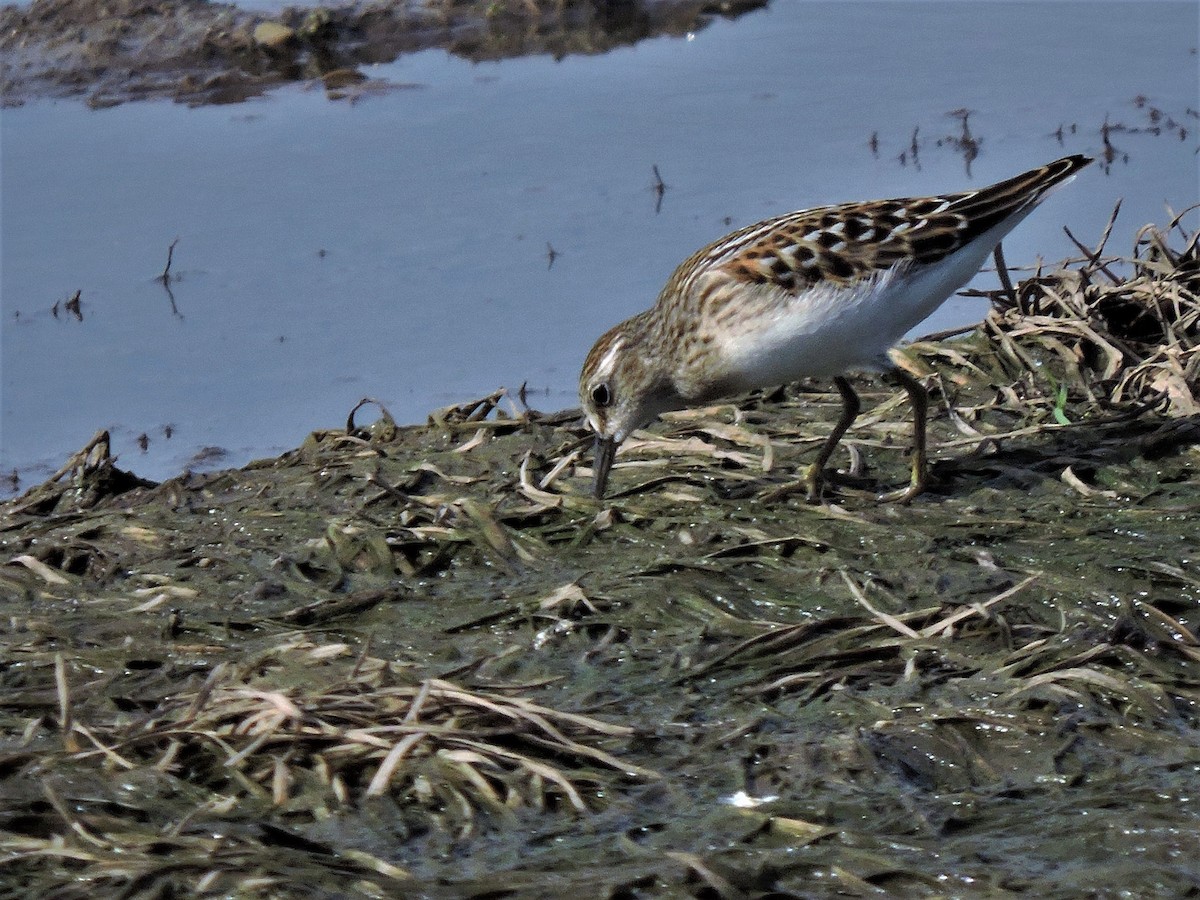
[604, 368]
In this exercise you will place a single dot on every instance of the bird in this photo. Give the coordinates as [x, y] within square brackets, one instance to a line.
[814, 293]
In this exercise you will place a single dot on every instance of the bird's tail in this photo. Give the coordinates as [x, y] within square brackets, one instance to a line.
[993, 204]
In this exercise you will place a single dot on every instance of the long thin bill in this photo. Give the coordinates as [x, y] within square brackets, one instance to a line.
[606, 449]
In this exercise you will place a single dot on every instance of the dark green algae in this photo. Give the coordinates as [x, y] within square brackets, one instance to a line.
[992, 690]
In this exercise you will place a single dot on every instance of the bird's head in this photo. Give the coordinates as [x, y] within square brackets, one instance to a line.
[622, 387]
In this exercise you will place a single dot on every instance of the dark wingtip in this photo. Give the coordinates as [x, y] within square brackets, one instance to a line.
[1074, 162]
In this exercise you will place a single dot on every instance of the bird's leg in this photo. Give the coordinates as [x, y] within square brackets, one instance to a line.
[814, 475]
[920, 469]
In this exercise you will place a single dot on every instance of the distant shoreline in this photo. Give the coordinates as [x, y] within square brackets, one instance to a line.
[202, 53]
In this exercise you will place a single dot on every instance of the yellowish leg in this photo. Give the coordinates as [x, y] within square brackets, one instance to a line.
[814, 475]
[920, 406]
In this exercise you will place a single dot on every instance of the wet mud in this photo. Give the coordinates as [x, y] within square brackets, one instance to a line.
[198, 52]
[422, 661]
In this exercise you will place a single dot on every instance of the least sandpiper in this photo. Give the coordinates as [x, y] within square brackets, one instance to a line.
[818, 292]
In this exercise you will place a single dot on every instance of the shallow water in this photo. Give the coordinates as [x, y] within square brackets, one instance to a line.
[397, 247]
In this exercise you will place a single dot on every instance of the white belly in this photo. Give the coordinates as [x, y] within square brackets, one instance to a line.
[833, 330]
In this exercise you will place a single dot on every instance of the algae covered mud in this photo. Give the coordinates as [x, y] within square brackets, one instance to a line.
[422, 662]
[199, 52]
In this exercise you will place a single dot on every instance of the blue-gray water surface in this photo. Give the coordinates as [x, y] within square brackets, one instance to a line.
[398, 247]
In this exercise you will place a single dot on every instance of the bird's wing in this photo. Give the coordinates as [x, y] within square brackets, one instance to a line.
[842, 245]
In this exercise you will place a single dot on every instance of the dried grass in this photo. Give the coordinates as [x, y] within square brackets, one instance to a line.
[503, 688]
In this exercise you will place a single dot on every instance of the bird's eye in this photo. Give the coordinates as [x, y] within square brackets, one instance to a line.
[601, 395]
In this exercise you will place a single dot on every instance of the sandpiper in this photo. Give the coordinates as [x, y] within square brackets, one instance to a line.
[818, 292]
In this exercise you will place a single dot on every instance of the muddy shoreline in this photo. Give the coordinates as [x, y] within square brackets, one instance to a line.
[423, 661]
[197, 52]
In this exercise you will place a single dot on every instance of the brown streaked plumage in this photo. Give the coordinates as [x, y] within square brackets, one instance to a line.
[817, 292]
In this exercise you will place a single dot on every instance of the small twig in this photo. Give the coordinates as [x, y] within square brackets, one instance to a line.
[98, 443]
[165, 277]
[1109, 227]
[171, 296]
[943, 626]
[994, 439]
[1093, 257]
[64, 812]
[1178, 218]
[204, 693]
[1002, 273]
[65, 719]
[72, 306]
[414, 709]
[883, 618]
[949, 332]
[1110, 152]
[388, 489]
[967, 143]
[383, 413]
[659, 187]
[363, 655]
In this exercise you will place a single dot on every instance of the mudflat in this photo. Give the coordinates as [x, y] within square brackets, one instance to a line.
[423, 661]
[198, 52]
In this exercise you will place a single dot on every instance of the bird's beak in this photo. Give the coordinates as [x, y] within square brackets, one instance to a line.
[606, 449]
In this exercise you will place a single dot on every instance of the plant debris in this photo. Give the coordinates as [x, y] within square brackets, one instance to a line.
[423, 661]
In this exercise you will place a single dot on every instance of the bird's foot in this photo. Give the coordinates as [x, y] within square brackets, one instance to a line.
[812, 481]
[920, 480]
[901, 495]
